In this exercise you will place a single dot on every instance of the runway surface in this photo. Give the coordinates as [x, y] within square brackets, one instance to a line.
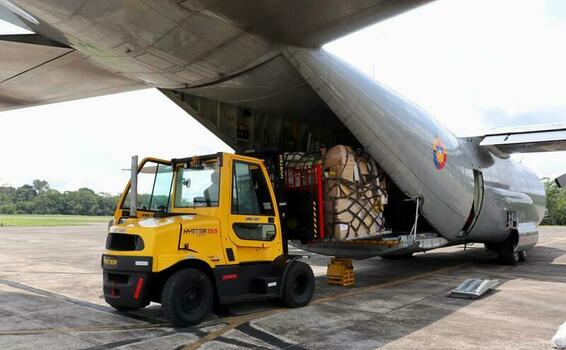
[50, 298]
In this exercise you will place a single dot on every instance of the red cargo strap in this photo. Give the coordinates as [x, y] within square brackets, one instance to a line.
[319, 189]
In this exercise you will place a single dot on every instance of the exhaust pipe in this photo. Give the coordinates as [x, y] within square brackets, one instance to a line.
[134, 187]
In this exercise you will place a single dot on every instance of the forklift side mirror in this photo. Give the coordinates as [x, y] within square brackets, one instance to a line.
[187, 183]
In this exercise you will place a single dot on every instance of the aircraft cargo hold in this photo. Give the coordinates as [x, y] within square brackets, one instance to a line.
[344, 191]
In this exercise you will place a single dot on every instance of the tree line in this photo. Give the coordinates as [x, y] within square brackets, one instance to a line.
[555, 203]
[39, 198]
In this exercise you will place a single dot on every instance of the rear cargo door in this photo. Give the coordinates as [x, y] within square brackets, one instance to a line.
[254, 227]
[477, 204]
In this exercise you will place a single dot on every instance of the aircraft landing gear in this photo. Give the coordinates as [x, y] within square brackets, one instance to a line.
[523, 256]
[507, 252]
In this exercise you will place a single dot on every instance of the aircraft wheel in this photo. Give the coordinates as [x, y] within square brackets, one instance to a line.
[398, 256]
[298, 287]
[490, 247]
[507, 252]
[522, 256]
[187, 297]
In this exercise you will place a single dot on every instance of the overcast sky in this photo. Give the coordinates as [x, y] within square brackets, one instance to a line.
[473, 64]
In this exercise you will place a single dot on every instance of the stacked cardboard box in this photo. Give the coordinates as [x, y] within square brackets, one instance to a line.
[354, 196]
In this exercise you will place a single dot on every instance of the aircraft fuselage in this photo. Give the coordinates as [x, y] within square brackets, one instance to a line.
[425, 159]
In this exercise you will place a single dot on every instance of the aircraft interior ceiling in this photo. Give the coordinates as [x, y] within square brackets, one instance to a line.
[267, 107]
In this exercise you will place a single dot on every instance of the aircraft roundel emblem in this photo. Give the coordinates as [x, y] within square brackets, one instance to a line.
[438, 153]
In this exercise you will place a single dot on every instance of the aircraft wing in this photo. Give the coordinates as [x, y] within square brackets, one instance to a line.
[546, 138]
[35, 70]
[307, 23]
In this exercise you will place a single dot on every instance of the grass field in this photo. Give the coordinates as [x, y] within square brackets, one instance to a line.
[50, 220]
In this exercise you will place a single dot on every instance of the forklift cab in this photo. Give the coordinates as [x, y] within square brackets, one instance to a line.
[228, 187]
[210, 227]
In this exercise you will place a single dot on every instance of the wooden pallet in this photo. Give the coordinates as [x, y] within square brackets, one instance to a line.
[340, 272]
[343, 281]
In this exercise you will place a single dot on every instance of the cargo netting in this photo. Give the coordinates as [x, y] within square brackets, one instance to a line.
[349, 189]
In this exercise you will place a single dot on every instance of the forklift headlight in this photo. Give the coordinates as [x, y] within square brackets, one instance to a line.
[124, 242]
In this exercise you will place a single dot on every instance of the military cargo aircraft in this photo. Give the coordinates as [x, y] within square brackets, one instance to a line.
[254, 73]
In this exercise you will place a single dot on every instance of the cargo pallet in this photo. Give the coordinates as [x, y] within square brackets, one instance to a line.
[340, 272]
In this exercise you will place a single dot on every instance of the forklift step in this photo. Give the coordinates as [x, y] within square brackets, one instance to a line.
[242, 298]
[266, 285]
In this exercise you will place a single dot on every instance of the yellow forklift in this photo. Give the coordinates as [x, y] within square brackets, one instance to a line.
[197, 232]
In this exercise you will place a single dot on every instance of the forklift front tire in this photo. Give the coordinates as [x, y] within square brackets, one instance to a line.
[187, 297]
[298, 286]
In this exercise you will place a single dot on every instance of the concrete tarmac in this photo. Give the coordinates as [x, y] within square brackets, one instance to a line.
[51, 298]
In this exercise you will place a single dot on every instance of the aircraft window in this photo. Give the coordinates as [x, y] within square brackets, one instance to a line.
[198, 186]
[250, 194]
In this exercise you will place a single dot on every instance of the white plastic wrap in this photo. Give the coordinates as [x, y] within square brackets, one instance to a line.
[559, 339]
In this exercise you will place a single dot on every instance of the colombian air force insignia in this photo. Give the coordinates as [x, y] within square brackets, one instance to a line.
[438, 153]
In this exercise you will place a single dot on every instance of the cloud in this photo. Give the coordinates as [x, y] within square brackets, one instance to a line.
[501, 118]
[473, 65]
[87, 143]
[8, 28]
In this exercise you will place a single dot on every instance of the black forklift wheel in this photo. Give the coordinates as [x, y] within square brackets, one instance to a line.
[298, 287]
[507, 253]
[187, 297]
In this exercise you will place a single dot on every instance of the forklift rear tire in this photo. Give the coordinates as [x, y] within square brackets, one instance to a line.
[298, 287]
[187, 297]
